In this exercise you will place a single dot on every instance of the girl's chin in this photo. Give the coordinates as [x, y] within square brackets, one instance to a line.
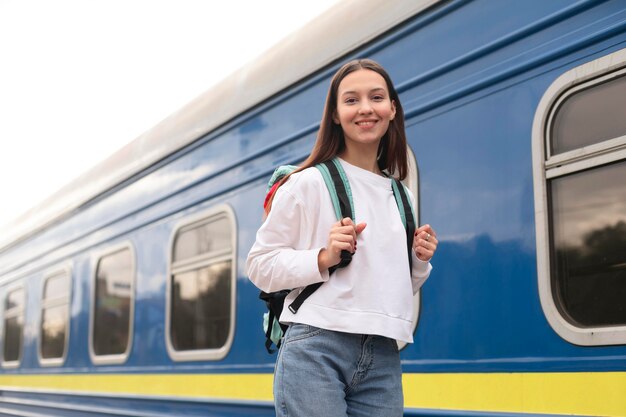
[364, 142]
[366, 138]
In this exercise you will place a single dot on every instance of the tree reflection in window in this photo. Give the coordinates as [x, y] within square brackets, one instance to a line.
[201, 285]
[589, 245]
[54, 316]
[13, 325]
[113, 303]
[201, 307]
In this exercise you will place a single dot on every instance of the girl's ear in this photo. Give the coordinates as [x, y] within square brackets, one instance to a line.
[393, 110]
[336, 118]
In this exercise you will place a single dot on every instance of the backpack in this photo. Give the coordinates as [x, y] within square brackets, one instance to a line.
[341, 197]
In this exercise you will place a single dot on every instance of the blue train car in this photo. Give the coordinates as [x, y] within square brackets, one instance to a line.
[125, 294]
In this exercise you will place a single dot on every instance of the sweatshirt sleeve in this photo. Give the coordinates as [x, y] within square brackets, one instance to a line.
[280, 257]
[420, 273]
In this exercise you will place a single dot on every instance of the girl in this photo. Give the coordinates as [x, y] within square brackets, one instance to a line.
[339, 355]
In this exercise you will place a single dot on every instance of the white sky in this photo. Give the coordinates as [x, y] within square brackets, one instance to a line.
[81, 78]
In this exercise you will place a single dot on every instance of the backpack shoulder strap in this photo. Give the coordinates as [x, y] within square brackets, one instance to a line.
[338, 187]
[272, 184]
[279, 173]
[341, 196]
[407, 213]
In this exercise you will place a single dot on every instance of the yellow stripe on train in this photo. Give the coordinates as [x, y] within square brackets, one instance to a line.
[584, 393]
[592, 393]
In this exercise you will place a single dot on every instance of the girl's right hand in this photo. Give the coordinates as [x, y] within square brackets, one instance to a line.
[342, 236]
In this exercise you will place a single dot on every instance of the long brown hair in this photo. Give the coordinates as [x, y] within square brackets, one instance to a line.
[392, 154]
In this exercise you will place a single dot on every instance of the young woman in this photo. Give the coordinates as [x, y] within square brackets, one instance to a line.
[339, 355]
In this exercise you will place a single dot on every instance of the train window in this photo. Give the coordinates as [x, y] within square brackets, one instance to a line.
[201, 287]
[111, 326]
[54, 328]
[588, 248]
[590, 115]
[580, 197]
[13, 326]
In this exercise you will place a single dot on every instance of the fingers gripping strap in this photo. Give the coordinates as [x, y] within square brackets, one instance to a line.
[341, 196]
[344, 195]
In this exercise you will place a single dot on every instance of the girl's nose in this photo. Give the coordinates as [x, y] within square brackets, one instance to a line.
[365, 107]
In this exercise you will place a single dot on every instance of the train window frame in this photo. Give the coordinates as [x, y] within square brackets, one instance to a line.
[9, 290]
[217, 212]
[116, 358]
[547, 166]
[66, 270]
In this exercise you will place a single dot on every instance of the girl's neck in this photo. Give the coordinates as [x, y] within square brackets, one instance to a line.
[362, 158]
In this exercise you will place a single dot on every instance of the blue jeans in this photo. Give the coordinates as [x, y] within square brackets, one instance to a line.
[326, 373]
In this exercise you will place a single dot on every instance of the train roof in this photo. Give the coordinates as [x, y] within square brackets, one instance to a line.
[307, 50]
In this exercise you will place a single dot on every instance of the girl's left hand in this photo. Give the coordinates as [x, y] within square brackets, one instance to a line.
[425, 242]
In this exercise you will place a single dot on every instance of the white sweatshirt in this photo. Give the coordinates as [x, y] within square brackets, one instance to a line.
[374, 293]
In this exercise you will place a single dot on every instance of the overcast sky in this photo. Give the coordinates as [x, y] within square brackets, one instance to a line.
[81, 78]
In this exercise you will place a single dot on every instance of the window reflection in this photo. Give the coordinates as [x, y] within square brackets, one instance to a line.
[53, 328]
[112, 304]
[201, 291]
[201, 307]
[13, 325]
[13, 338]
[589, 245]
[590, 116]
[55, 316]
[199, 240]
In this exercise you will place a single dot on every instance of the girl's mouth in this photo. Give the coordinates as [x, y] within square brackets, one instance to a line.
[366, 123]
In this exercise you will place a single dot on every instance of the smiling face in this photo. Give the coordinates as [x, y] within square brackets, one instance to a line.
[364, 108]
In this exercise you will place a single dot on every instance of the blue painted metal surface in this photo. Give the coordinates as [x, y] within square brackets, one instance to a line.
[470, 75]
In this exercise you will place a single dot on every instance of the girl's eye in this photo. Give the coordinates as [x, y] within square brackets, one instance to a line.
[378, 98]
[350, 100]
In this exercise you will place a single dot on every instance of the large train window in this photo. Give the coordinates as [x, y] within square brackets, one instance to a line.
[13, 329]
[579, 151]
[112, 306]
[201, 286]
[54, 329]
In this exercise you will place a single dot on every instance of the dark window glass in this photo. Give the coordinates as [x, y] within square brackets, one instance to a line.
[201, 292]
[590, 116]
[13, 325]
[206, 238]
[53, 328]
[201, 307]
[54, 316]
[113, 303]
[589, 245]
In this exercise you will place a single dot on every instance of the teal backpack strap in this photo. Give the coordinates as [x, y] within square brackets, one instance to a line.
[407, 213]
[346, 184]
[341, 196]
[338, 188]
[279, 173]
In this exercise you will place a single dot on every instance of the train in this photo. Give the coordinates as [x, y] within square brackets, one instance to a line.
[125, 293]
